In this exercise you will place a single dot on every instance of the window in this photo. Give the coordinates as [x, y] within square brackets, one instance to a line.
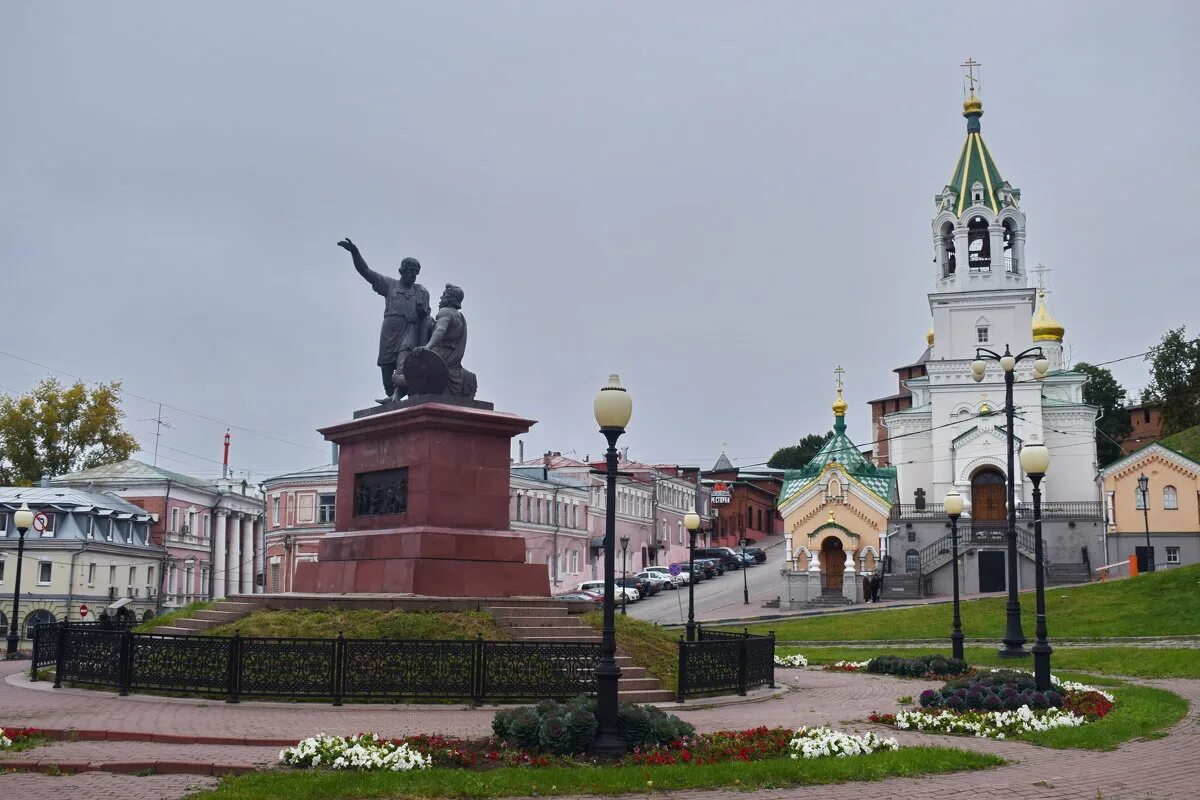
[325, 508]
[2, 560]
[174, 520]
[275, 577]
[91, 574]
[912, 536]
[912, 561]
[275, 511]
[1170, 499]
[3, 524]
[1172, 555]
[50, 517]
[132, 575]
[191, 523]
[981, 335]
[207, 526]
[112, 575]
[305, 513]
[110, 529]
[150, 576]
[44, 573]
[89, 527]
[1139, 499]
[34, 618]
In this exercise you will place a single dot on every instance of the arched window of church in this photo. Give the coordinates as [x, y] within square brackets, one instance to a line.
[912, 560]
[978, 245]
[947, 235]
[1170, 498]
[1011, 259]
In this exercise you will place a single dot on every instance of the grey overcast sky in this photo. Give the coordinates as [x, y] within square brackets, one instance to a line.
[719, 201]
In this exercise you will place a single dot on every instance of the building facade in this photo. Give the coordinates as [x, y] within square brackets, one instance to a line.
[551, 514]
[744, 503]
[300, 509]
[211, 531]
[953, 435]
[1169, 512]
[93, 550]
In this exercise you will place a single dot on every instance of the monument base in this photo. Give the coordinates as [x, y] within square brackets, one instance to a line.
[437, 562]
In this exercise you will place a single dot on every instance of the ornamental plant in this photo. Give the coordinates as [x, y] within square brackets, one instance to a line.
[846, 666]
[366, 751]
[917, 667]
[994, 724]
[4, 740]
[794, 660]
[825, 742]
[995, 690]
[565, 728]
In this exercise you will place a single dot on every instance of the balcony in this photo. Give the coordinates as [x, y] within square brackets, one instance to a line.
[1088, 509]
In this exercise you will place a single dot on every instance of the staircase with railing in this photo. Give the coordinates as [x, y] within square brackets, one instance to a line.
[937, 555]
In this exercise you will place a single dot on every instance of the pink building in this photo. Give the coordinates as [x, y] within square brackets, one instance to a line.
[299, 511]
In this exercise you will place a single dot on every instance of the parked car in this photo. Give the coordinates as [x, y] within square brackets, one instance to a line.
[663, 581]
[759, 554]
[712, 568]
[598, 599]
[644, 587]
[622, 594]
[728, 557]
[676, 580]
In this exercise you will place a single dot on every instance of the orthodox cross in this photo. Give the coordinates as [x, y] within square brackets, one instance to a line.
[919, 497]
[971, 64]
[1041, 270]
[838, 373]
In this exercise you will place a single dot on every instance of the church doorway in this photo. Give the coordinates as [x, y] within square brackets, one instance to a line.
[991, 571]
[833, 563]
[987, 496]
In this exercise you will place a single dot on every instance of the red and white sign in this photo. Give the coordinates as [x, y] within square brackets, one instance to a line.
[721, 493]
[40, 521]
[83, 611]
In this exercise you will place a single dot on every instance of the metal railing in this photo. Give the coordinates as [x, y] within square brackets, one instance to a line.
[319, 669]
[1089, 509]
[912, 511]
[985, 533]
[720, 661]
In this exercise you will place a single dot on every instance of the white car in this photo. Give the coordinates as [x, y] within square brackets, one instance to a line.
[676, 580]
[622, 594]
[658, 578]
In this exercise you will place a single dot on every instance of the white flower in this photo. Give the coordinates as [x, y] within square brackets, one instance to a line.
[367, 752]
[824, 742]
[794, 660]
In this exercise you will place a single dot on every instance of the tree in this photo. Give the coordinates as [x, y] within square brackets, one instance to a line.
[1175, 380]
[1103, 391]
[53, 430]
[797, 455]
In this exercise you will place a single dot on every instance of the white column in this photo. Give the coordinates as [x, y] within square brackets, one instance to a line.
[247, 555]
[218, 567]
[234, 570]
[259, 552]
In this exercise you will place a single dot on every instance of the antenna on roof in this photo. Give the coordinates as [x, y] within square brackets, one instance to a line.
[159, 424]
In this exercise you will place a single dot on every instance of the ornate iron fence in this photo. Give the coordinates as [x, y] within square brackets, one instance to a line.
[321, 669]
[719, 661]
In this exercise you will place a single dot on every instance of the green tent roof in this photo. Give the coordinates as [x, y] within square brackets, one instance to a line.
[839, 449]
[975, 164]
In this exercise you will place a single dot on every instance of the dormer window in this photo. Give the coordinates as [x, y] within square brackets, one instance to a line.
[977, 193]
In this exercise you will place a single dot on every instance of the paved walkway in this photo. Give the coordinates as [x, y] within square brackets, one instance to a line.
[1148, 770]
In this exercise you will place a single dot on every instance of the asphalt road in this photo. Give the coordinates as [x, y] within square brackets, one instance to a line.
[720, 597]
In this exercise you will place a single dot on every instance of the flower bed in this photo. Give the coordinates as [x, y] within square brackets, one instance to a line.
[15, 736]
[994, 724]
[846, 666]
[917, 667]
[824, 742]
[794, 660]
[365, 751]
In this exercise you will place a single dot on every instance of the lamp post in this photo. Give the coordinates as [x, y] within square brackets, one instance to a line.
[624, 574]
[1144, 488]
[613, 407]
[1035, 459]
[745, 566]
[22, 520]
[691, 521]
[953, 504]
[1014, 638]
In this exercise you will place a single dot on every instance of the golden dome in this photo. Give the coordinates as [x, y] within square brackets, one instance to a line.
[929, 337]
[1045, 327]
[972, 105]
[840, 405]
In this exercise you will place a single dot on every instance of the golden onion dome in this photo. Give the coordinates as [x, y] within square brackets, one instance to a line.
[840, 405]
[1045, 327]
[929, 337]
[972, 105]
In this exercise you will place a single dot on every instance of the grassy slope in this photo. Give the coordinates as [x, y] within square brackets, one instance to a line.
[166, 619]
[647, 644]
[599, 780]
[1161, 604]
[362, 623]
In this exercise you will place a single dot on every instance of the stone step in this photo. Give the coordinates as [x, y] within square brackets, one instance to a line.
[509, 612]
[173, 630]
[566, 637]
[220, 617]
[543, 622]
[637, 684]
[647, 696]
[195, 624]
[235, 606]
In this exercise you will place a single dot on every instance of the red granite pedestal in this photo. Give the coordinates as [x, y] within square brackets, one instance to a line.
[452, 537]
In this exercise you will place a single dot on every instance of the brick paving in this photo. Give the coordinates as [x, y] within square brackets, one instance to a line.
[1160, 769]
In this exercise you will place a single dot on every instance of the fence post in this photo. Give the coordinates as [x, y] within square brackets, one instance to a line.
[681, 688]
[234, 667]
[33, 667]
[339, 668]
[125, 663]
[743, 644]
[477, 669]
[59, 655]
[771, 674]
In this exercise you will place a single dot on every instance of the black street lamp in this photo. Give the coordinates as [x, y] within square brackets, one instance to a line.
[691, 521]
[1014, 638]
[953, 504]
[613, 407]
[22, 521]
[624, 574]
[745, 585]
[1144, 488]
[1035, 459]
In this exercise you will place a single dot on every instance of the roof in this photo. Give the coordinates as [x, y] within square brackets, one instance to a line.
[840, 450]
[131, 471]
[557, 461]
[66, 499]
[723, 464]
[322, 471]
[975, 164]
[1186, 442]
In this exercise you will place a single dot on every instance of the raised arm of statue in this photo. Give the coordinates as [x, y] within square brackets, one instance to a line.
[377, 281]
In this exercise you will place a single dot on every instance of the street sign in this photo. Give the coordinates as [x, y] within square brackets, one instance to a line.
[675, 569]
[721, 494]
[83, 611]
[40, 521]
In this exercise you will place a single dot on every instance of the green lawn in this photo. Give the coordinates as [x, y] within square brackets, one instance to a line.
[1132, 607]
[1138, 662]
[166, 619]
[1138, 711]
[366, 624]
[598, 780]
[650, 646]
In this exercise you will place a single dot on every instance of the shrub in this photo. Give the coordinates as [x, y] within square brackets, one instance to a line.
[991, 691]
[917, 667]
[565, 728]
[523, 729]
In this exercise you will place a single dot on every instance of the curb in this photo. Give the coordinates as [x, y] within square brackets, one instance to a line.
[93, 735]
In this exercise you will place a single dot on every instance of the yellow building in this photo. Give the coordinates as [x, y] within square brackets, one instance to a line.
[835, 514]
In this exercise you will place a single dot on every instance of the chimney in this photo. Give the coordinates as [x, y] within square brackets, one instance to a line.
[520, 451]
[546, 465]
[225, 459]
[333, 447]
[625, 454]
[45, 484]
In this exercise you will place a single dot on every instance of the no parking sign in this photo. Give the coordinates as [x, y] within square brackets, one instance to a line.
[675, 569]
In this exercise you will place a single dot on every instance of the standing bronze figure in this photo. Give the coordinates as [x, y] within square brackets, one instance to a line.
[406, 320]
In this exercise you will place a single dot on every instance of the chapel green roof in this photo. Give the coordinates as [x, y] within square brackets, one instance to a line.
[975, 164]
[840, 450]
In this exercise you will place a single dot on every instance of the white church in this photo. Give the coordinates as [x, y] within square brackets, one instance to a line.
[947, 431]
